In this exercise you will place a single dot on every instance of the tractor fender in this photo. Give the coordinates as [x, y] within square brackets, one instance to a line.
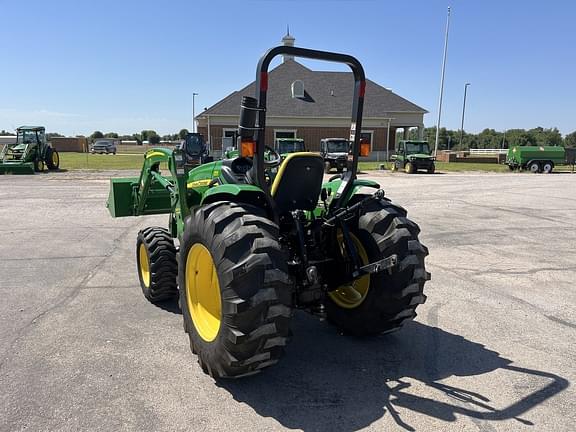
[244, 193]
[334, 185]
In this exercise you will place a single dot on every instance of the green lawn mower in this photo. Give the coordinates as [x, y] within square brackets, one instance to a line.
[31, 153]
[251, 238]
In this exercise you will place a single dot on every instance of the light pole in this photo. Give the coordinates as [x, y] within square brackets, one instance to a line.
[442, 83]
[194, 112]
[463, 110]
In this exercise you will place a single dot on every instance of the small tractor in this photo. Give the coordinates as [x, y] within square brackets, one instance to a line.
[285, 146]
[412, 156]
[335, 152]
[251, 239]
[29, 154]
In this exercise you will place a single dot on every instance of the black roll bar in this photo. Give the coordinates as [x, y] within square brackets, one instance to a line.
[357, 107]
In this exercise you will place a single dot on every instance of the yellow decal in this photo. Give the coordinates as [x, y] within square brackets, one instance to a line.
[198, 183]
[215, 173]
[154, 153]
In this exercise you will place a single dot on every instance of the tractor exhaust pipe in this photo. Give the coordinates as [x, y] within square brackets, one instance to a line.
[248, 111]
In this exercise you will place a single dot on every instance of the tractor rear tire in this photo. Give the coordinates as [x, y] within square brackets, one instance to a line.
[391, 298]
[52, 159]
[235, 291]
[157, 264]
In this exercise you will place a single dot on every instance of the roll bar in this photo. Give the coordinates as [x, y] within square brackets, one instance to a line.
[357, 107]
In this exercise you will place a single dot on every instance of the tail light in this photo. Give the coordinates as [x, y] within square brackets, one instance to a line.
[247, 148]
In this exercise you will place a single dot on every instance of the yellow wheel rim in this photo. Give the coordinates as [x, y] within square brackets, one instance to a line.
[203, 292]
[144, 265]
[350, 296]
[55, 159]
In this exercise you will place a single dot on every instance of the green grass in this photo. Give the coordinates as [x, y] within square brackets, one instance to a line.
[445, 166]
[75, 161]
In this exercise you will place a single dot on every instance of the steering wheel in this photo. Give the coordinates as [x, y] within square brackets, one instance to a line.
[276, 158]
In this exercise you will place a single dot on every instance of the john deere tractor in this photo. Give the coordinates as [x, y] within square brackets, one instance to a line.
[251, 239]
[30, 153]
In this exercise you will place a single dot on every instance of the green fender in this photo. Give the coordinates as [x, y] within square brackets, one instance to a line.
[236, 193]
[333, 186]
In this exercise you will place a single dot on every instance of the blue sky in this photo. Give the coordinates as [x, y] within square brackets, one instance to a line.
[81, 65]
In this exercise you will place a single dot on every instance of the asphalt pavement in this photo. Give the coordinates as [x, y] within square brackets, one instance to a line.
[493, 348]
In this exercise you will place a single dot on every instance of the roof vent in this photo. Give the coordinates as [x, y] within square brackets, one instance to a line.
[298, 89]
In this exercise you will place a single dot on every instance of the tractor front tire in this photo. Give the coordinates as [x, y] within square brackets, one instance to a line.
[388, 299]
[327, 167]
[235, 291]
[157, 264]
[52, 159]
[409, 168]
[432, 169]
[38, 165]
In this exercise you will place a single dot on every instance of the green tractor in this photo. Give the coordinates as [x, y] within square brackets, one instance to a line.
[285, 146]
[29, 154]
[252, 239]
[412, 156]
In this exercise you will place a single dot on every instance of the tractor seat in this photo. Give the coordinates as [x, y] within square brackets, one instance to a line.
[298, 182]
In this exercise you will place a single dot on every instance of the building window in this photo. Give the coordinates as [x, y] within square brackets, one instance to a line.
[228, 137]
[298, 89]
[284, 134]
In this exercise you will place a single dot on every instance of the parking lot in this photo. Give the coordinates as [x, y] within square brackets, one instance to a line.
[493, 349]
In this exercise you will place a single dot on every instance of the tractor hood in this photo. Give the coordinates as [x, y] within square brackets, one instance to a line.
[19, 147]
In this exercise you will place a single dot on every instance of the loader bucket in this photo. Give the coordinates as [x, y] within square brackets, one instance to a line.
[17, 167]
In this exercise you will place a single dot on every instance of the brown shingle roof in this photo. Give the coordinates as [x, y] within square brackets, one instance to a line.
[327, 94]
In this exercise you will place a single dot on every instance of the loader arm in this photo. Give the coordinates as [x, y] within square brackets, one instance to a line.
[152, 193]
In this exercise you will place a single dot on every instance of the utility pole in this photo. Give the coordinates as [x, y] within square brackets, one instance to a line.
[194, 112]
[442, 83]
[463, 110]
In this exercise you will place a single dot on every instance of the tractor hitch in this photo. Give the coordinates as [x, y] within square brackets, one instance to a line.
[387, 263]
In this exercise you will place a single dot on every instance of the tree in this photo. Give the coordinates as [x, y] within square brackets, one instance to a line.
[146, 134]
[111, 135]
[570, 140]
[96, 135]
[50, 135]
[183, 133]
[6, 133]
[154, 139]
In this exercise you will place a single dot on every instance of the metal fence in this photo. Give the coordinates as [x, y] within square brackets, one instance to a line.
[488, 151]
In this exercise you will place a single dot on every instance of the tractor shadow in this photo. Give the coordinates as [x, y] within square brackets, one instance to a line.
[330, 382]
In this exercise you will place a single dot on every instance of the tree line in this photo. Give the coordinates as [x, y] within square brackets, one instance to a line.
[490, 138]
[146, 135]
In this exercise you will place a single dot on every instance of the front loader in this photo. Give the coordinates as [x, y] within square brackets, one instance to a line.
[252, 238]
